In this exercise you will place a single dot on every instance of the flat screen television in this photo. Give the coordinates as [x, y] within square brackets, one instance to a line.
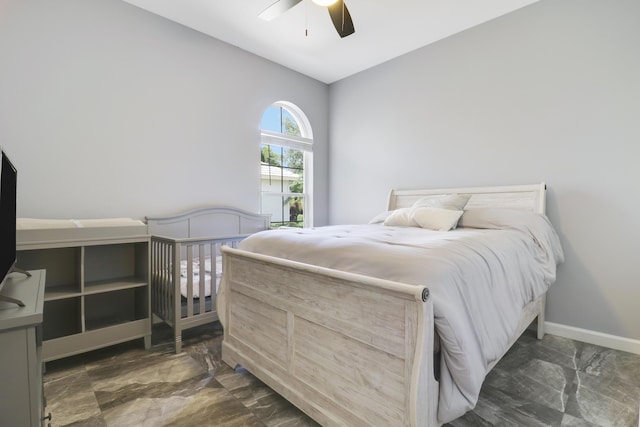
[8, 186]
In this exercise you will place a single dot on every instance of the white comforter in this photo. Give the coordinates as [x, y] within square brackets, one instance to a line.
[480, 279]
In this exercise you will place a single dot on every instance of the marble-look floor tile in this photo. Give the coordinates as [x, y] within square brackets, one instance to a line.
[269, 406]
[130, 392]
[571, 421]
[275, 411]
[533, 381]
[209, 407]
[70, 398]
[174, 369]
[550, 382]
[596, 360]
[499, 408]
[555, 350]
[559, 382]
[604, 400]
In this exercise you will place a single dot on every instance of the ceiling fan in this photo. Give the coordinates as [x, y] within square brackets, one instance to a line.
[337, 10]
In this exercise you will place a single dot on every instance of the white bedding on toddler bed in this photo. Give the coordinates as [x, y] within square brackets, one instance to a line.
[184, 282]
[479, 278]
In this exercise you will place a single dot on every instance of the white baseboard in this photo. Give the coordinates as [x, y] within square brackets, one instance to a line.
[592, 337]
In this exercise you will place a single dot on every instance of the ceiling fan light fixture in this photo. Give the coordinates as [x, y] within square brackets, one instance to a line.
[324, 2]
[340, 16]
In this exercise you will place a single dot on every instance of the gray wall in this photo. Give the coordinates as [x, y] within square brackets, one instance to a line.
[108, 110]
[548, 93]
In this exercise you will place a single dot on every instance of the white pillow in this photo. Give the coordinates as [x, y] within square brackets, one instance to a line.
[380, 217]
[454, 202]
[436, 218]
[401, 217]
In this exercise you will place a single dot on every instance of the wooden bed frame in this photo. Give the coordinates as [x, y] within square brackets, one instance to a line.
[344, 348]
[187, 237]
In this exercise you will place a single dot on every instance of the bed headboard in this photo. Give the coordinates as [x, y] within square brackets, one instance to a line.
[530, 197]
[210, 221]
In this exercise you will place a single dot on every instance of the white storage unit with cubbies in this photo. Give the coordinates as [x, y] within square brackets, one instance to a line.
[97, 292]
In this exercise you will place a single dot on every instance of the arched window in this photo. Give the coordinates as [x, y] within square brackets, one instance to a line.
[286, 151]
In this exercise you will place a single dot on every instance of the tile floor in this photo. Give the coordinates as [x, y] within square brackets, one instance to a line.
[552, 382]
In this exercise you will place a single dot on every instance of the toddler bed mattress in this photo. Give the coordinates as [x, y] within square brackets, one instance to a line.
[480, 276]
[210, 275]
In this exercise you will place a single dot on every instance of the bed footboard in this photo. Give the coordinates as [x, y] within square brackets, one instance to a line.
[345, 348]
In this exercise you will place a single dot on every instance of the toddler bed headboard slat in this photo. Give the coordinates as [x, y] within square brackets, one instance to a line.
[208, 222]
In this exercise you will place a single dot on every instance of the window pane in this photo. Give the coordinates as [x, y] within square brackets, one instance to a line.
[271, 154]
[282, 169]
[271, 119]
[277, 119]
[288, 211]
[289, 125]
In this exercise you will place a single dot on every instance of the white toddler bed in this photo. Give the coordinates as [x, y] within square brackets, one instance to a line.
[344, 321]
[184, 297]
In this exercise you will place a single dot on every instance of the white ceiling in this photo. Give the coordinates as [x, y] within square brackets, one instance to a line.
[385, 29]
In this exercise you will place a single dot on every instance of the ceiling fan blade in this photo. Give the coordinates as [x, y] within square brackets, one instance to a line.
[341, 18]
[277, 9]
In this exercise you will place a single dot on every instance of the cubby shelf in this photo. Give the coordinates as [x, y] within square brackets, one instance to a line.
[112, 285]
[97, 292]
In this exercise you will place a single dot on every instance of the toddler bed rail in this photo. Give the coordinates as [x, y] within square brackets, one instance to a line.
[186, 273]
